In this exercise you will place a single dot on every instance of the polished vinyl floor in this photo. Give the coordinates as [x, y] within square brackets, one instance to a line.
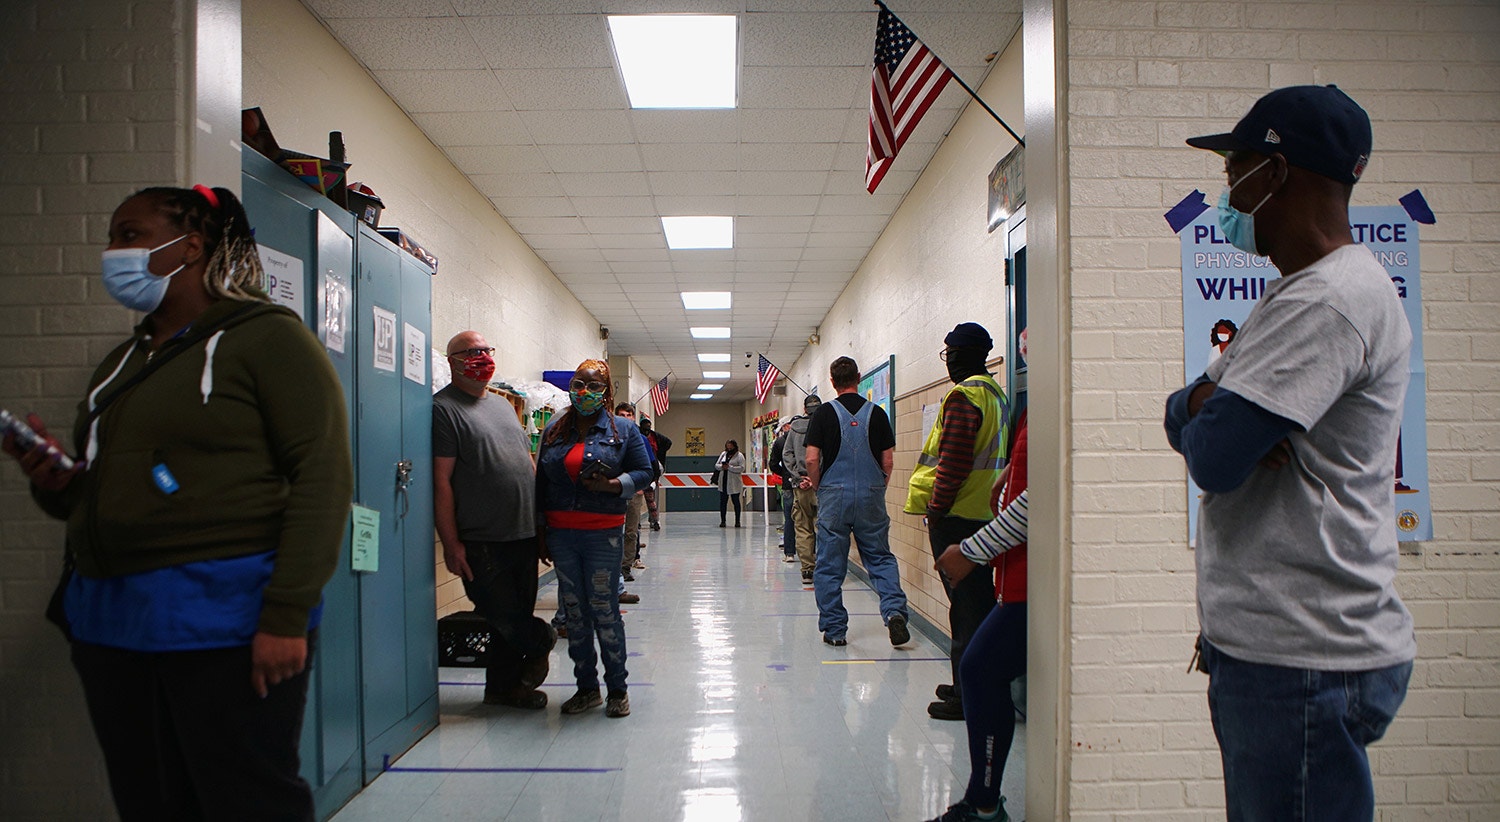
[738, 711]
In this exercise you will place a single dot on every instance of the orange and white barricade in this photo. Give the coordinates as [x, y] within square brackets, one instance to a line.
[765, 480]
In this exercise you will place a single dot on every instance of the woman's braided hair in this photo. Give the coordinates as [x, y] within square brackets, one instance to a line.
[233, 271]
[566, 422]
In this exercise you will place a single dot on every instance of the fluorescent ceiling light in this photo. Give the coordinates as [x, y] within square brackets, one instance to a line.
[677, 60]
[715, 375]
[698, 232]
[710, 386]
[713, 358]
[700, 396]
[709, 332]
[694, 300]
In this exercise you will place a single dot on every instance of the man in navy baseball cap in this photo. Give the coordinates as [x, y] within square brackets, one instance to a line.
[1319, 128]
[1292, 435]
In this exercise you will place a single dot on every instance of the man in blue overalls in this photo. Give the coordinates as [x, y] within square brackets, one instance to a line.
[850, 449]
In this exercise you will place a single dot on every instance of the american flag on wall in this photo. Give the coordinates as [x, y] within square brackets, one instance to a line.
[907, 79]
[659, 399]
[766, 376]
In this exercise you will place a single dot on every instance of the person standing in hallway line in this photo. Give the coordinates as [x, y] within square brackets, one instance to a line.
[483, 499]
[660, 445]
[730, 468]
[850, 450]
[958, 466]
[804, 502]
[590, 464]
[778, 466]
[1290, 434]
[633, 514]
[205, 513]
[996, 655]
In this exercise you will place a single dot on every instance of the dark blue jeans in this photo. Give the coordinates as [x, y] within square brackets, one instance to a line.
[1293, 740]
[788, 527]
[588, 581]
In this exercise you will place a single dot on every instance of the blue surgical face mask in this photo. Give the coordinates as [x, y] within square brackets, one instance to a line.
[128, 277]
[1238, 226]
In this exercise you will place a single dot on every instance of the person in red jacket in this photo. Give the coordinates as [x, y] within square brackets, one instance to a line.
[996, 655]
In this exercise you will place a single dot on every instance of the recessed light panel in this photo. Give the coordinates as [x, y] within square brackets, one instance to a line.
[715, 375]
[677, 60]
[698, 232]
[710, 386]
[713, 358]
[709, 332]
[700, 396]
[696, 300]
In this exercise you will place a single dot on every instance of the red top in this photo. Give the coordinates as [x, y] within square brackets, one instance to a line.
[581, 520]
[1010, 581]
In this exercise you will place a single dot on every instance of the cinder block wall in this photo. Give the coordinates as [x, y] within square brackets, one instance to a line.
[91, 92]
[1141, 77]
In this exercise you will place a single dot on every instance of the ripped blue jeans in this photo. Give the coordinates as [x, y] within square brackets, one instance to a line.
[588, 581]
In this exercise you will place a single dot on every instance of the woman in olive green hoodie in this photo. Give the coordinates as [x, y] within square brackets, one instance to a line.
[204, 515]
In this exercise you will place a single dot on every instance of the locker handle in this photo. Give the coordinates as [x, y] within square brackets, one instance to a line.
[403, 479]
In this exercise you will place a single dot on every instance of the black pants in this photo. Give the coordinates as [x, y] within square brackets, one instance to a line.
[185, 737]
[724, 507]
[970, 601]
[504, 593]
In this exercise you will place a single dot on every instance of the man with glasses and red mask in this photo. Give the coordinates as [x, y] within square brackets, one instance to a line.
[1290, 433]
[484, 492]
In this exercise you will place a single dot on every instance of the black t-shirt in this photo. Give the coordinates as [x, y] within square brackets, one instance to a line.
[823, 430]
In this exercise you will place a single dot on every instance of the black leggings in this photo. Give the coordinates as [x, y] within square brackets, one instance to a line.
[724, 507]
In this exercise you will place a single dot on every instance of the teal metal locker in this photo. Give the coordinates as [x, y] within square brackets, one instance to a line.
[369, 698]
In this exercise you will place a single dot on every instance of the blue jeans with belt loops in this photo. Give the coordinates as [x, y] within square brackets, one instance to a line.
[1293, 740]
[588, 579]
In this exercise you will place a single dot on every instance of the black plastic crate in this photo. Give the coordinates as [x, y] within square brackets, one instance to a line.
[463, 640]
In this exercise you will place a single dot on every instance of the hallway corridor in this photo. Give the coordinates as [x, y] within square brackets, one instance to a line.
[739, 711]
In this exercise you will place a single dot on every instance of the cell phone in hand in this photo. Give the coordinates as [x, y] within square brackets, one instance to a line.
[591, 468]
[28, 439]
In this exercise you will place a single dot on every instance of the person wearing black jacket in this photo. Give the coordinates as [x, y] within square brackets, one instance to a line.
[788, 483]
[660, 443]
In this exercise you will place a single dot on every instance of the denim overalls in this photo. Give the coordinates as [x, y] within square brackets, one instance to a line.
[851, 501]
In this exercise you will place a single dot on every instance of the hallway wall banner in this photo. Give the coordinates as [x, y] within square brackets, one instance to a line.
[1220, 285]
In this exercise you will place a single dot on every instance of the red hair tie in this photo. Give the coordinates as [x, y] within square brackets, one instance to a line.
[209, 195]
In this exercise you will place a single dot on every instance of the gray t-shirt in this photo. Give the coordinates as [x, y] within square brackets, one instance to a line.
[494, 481]
[1296, 567]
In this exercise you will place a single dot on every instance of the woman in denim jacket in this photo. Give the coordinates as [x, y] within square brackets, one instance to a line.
[590, 464]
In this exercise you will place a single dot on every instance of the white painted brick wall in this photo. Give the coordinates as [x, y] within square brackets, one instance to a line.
[88, 99]
[1142, 76]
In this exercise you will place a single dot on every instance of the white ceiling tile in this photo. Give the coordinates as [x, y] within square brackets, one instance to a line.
[611, 241]
[768, 125]
[487, 8]
[477, 128]
[603, 184]
[619, 255]
[851, 256]
[666, 126]
[774, 224]
[881, 202]
[850, 222]
[641, 268]
[608, 157]
[772, 240]
[534, 207]
[809, 39]
[623, 225]
[408, 42]
[541, 242]
[764, 254]
[557, 89]
[786, 204]
[542, 41]
[379, 8]
[813, 88]
[477, 160]
[690, 156]
[517, 185]
[444, 90]
[563, 255]
[613, 206]
[548, 225]
[580, 127]
[786, 156]
[858, 240]
[692, 183]
[687, 206]
[755, 183]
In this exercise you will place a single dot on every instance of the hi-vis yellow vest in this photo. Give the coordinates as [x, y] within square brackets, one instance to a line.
[973, 500]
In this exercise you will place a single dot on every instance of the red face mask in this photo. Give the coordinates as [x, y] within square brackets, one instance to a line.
[479, 367]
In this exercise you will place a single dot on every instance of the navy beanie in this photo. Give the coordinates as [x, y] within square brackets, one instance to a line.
[969, 335]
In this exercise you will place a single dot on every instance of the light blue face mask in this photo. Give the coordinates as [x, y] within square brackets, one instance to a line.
[1238, 227]
[128, 277]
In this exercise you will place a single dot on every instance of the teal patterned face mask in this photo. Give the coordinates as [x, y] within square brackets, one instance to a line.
[587, 402]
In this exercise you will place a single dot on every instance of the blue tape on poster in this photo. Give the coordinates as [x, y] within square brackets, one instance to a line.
[1186, 211]
[1417, 208]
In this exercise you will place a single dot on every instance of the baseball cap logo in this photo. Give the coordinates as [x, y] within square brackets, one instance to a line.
[1272, 137]
[1359, 165]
